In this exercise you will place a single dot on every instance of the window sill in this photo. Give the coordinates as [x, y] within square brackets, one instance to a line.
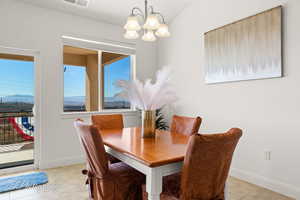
[74, 115]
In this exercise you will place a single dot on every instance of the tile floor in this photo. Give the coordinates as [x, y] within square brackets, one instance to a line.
[67, 183]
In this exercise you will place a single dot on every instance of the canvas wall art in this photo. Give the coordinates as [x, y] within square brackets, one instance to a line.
[247, 49]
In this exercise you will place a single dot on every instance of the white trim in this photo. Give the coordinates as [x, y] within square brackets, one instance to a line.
[128, 160]
[133, 73]
[16, 169]
[17, 51]
[111, 46]
[47, 164]
[38, 110]
[100, 41]
[73, 115]
[37, 95]
[276, 186]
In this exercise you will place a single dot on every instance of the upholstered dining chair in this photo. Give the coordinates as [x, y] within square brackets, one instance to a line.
[107, 182]
[114, 121]
[185, 125]
[205, 169]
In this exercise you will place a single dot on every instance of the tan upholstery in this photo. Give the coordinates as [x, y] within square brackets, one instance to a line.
[114, 121]
[185, 125]
[107, 182]
[205, 170]
[102, 122]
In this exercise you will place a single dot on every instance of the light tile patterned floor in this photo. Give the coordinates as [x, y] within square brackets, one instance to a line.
[67, 183]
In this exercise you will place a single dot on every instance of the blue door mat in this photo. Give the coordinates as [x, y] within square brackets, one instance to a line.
[12, 183]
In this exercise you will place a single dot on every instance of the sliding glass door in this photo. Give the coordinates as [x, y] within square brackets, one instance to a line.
[17, 121]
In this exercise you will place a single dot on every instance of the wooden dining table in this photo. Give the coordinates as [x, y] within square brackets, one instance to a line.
[155, 157]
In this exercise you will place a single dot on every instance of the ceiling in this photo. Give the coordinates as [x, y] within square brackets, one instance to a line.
[114, 11]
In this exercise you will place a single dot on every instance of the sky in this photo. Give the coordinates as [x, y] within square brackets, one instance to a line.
[74, 81]
[17, 77]
[119, 70]
[74, 78]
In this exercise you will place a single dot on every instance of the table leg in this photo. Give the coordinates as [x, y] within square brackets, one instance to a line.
[154, 184]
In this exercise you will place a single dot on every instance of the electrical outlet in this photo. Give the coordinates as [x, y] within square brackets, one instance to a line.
[267, 155]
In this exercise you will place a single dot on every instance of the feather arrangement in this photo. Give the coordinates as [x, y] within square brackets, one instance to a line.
[148, 95]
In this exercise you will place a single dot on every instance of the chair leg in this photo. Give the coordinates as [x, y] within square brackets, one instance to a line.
[139, 195]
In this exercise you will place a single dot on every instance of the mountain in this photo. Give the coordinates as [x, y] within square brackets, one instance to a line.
[17, 98]
[74, 100]
[71, 100]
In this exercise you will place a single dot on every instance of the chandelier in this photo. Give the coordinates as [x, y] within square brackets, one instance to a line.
[153, 24]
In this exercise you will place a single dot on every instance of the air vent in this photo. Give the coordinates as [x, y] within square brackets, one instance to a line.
[71, 1]
[81, 3]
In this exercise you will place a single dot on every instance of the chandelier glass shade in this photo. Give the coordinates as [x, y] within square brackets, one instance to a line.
[149, 36]
[162, 31]
[131, 35]
[132, 24]
[153, 24]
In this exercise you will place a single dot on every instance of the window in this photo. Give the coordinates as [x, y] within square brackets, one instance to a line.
[16, 83]
[116, 70]
[90, 76]
[74, 87]
[17, 127]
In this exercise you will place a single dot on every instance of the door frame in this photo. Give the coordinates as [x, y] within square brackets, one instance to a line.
[37, 98]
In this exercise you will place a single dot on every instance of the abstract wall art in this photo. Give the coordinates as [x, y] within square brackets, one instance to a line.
[248, 49]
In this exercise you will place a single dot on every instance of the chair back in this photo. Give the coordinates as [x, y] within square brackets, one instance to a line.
[108, 121]
[93, 146]
[185, 125]
[206, 165]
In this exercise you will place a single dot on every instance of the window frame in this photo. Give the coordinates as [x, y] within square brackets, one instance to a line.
[101, 75]
[100, 46]
[37, 97]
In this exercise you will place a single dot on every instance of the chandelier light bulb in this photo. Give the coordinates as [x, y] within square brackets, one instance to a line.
[149, 36]
[132, 24]
[163, 31]
[152, 22]
[131, 35]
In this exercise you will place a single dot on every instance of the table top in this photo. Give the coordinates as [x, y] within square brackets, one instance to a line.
[165, 148]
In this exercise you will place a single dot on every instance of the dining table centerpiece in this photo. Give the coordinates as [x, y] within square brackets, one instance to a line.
[148, 97]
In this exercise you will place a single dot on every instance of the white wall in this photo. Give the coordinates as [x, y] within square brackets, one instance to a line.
[267, 110]
[29, 27]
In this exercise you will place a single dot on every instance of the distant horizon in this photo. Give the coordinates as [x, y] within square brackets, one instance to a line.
[33, 96]
[17, 78]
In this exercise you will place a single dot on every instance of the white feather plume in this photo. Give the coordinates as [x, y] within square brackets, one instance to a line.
[149, 96]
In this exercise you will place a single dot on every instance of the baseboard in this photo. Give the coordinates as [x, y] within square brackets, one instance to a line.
[276, 186]
[61, 162]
